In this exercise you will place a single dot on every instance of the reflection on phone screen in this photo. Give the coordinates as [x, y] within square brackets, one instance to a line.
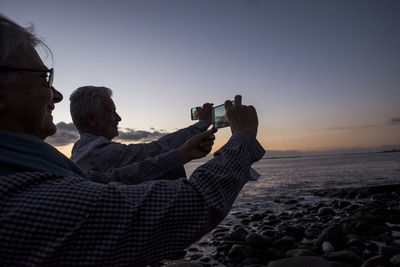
[219, 117]
[193, 114]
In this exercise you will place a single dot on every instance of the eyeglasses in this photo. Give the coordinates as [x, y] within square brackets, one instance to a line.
[49, 73]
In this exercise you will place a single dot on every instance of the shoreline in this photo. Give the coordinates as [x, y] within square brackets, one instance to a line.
[357, 226]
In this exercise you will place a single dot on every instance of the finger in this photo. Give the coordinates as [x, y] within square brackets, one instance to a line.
[208, 105]
[228, 105]
[206, 149]
[238, 101]
[213, 130]
[206, 135]
[206, 144]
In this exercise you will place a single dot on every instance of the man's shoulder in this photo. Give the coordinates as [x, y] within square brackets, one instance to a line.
[91, 142]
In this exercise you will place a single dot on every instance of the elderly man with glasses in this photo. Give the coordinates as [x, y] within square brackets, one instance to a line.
[52, 214]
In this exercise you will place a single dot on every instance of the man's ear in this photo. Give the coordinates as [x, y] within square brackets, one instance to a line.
[90, 119]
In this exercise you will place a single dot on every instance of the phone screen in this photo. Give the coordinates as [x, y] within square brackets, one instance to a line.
[219, 117]
[193, 114]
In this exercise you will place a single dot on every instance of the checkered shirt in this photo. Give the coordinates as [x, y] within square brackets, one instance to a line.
[97, 153]
[53, 220]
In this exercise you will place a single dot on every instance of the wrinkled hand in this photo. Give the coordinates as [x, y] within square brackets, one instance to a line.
[197, 147]
[241, 117]
[205, 112]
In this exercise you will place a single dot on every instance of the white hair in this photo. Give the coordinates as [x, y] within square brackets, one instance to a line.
[86, 100]
[14, 40]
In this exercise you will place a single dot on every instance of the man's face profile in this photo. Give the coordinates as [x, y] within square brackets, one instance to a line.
[106, 120]
[28, 100]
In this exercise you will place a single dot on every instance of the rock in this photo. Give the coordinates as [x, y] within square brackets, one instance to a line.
[332, 234]
[273, 254]
[291, 201]
[324, 211]
[376, 261]
[269, 233]
[239, 234]
[356, 242]
[271, 217]
[353, 207]
[183, 263]
[303, 261]
[340, 264]
[256, 217]
[388, 251]
[300, 252]
[245, 221]
[311, 233]
[396, 234]
[346, 256]
[193, 249]
[327, 247]
[396, 243]
[225, 246]
[286, 241]
[297, 231]
[205, 259]
[362, 227]
[220, 229]
[240, 252]
[396, 260]
[372, 247]
[195, 256]
[343, 204]
[258, 241]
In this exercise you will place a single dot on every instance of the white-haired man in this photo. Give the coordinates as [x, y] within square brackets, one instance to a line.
[94, 115]
[52, 214]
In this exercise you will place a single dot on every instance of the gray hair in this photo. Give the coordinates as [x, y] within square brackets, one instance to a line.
[86, 100]
[15, 39]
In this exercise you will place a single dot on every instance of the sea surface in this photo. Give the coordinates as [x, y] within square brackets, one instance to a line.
[293, 177]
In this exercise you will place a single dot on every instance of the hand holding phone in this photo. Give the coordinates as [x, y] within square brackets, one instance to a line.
[219, 119]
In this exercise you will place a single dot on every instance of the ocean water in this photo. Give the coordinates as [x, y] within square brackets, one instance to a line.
[294, 177]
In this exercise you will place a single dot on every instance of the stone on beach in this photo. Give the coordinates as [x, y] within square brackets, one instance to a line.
[302, 261]
[338, 232]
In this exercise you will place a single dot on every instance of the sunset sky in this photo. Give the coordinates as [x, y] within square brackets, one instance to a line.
[322, 74]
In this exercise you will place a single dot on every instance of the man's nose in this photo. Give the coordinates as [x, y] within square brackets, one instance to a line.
[117, 116]
[57, 96]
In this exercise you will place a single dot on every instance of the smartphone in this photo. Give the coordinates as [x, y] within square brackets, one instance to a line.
[219, 117]
[218, 114]
[193, 114]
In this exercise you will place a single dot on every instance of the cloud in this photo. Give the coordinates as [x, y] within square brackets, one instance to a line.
[139, 135]
[66, 134]
[395, 120]
[366, 126]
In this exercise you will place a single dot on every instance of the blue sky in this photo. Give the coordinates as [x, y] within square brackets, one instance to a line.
[322, 74]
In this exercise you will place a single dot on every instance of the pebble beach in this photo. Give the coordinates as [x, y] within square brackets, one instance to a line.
[338, 227]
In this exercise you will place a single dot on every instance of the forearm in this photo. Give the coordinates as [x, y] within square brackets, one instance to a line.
[172, 140]
[163, 167]
[221, 179]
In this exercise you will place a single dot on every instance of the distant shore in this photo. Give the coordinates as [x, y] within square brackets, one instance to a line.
[348, 227]
[333, 154]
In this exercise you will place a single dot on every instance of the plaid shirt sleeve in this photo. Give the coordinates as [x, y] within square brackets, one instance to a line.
[135, 152]
[102, 155]
[167, 166]
[48, 219]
